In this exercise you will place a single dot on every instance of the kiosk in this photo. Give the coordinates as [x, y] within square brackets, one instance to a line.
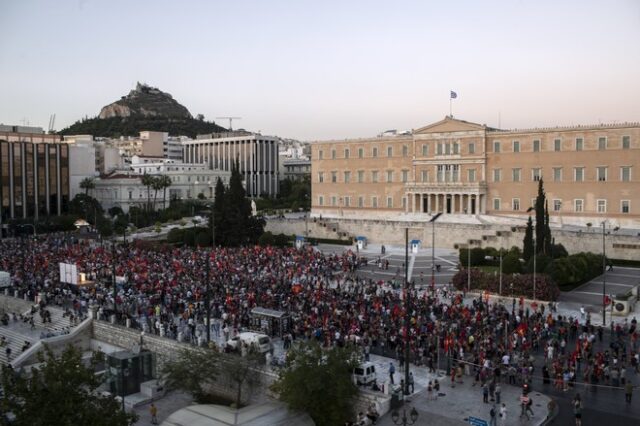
[361, 242]
[415, 246]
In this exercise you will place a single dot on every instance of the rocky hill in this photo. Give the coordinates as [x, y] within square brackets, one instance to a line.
[145, 101]
[144, 108]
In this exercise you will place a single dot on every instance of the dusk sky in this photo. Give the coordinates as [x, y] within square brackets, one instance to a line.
[326, 69]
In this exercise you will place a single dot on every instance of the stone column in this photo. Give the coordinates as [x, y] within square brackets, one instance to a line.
[413, 202]
[421, 195]
[469, 203]
[437, 203]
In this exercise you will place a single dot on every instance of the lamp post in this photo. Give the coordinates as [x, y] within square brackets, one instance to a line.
[406, 312]
[433, 249]
[469, 265]
[404, 420]
[500, 277]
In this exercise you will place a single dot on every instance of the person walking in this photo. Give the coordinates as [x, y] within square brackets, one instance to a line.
[485, 393]
[628, 392]
[503, 415]
[577, 409]
[392, 370]
[492, 416]
[411, 383]
[153, 410]
[498, 392]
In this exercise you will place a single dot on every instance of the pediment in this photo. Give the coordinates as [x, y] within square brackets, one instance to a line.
[449, 124]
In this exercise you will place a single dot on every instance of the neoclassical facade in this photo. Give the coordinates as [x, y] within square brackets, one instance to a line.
[457, 167]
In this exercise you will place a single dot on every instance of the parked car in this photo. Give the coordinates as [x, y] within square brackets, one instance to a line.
[260, 342]
[364, 374]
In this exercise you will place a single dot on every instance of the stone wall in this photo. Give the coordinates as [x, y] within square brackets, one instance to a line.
[166, 349]
[11, 304]
[454, 235]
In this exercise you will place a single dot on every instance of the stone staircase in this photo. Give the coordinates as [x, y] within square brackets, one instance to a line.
[58, 321]
[15, 342]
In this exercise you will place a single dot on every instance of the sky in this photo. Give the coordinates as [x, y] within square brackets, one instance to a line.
[316, 70]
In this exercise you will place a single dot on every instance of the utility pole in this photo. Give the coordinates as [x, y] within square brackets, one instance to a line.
[406, 311]
[604, 277]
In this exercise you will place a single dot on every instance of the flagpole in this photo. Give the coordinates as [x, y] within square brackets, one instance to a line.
[450, 100]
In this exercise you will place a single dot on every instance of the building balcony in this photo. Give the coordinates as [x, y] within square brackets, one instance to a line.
[466, 187]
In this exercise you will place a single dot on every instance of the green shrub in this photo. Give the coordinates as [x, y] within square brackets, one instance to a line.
[266, 239]
[511, 264]
[176, 235]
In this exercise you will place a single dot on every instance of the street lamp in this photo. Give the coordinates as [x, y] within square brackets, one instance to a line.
[469, 265]
[404, 420]
[604, 273]
[433, 249]
[406, 312]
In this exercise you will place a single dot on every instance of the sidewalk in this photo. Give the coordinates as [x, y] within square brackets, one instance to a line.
[455, 406]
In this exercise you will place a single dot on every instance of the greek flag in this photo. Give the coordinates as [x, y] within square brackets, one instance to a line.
[453, 95]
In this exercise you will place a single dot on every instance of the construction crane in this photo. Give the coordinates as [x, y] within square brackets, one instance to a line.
[230, 121]
[52, 122]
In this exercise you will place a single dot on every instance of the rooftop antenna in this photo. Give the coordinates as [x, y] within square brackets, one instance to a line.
[230, 121]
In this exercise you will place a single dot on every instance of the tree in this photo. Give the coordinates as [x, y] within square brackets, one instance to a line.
[86, 207]
[242, 372]
[540, 222]
[164, 183]
[218, 213]
[547, 231]
[193, 370]
[527, 249]
[147, 180]
[87, 184]
[319, 382]
[61, 390]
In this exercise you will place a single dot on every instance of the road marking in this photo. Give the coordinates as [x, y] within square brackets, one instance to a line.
[590, 293]
[612, 274]
[612, 283]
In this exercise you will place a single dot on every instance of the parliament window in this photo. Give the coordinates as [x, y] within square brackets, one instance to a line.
[425, 149]
[334, 177]
[516, 146]
[536, 145]
[346, 153]
[515, 204]
[496, 146]
[625, 173]
[320, 177]
[578, 205]
[333, 154]
[602, 144]
[602, 206]
[320, 200]
[472, 148]
[579, 144]
[496, 203]
[389, 202]
[536, 174]
[374, 152]
[389, 151]
[557, 205]
[497, 173]
[624, 206]
[557, 145]
[374, 177]
[389, 176]
[347, 177]
[360, 153]
[626, 142]
[360, 202]
[374, 202]
[602, 174]
[471, 174]
[516, 175]
[578, 174]
[360, 176]
[405, 150]
[405, 176]
[557, 174]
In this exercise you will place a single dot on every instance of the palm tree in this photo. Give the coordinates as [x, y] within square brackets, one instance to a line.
[165, 182]
[147, 180]
[87, 184]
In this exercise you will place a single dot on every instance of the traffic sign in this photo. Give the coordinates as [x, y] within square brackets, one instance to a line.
[474, 421]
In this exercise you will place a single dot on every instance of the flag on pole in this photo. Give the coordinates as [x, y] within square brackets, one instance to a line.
[454, 95]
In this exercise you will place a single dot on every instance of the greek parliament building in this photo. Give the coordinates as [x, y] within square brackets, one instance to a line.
[257, 157]
[34, 174]
[458, 167]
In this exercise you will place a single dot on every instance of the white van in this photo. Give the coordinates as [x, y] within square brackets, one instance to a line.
[364, 374]
[260, 342]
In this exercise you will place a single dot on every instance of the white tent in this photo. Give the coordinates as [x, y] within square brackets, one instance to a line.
[5, 279]
[267, 413]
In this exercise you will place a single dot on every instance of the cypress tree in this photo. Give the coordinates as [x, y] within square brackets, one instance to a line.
[218, 213]
[547, 230]
[527, 250]
[540, 218]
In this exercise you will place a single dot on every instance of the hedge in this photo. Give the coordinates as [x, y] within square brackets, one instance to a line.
[546, 289]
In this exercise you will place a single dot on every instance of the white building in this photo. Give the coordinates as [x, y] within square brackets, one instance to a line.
[124, 188]
[257, 157]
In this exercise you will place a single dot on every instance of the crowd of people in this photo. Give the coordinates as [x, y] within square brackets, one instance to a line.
[164, 291]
